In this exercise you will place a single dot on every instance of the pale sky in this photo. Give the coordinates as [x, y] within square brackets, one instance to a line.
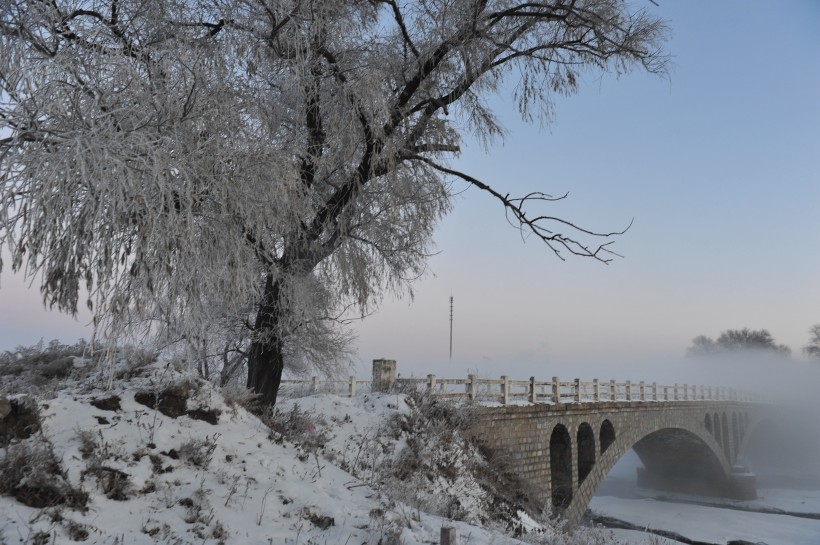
[718, 164]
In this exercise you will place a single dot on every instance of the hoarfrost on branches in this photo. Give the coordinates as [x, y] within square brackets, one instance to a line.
[263, 165]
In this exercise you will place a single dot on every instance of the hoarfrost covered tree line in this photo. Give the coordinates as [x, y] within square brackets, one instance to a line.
[251, 172]
[812, 349]
[737, 340]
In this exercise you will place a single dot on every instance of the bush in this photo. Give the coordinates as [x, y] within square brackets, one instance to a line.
[299, 427]
[442, 470]
[31, 473]
[32, 369]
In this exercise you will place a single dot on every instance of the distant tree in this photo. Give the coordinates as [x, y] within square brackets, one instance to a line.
[737, 340]
[701, 346]
[274, 162]
[812, 349]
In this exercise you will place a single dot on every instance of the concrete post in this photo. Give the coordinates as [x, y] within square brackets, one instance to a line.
[686, 392]
[471, 386]
[384, 375]
[431, 383]
[448, 536]
[505, 389]
[577, 390]
[629, 390]
[676, 391]
[596, 388]
[613, 391]
[556, 391]
[314, 384]
[643, 391]
[666, 393]
[352, 389]
[654, 391]
[533, 394]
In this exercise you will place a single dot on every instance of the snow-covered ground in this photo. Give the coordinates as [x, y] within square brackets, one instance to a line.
[154, 478]
[214, 473]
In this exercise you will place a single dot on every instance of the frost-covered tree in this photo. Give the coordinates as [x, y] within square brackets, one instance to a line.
[736, 340]
[812, 349]
[267, 164]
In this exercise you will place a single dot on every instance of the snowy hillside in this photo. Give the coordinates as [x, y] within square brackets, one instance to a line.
[161, 457]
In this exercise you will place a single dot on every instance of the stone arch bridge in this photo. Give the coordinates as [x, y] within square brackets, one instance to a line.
[565, 437]
[565, 450]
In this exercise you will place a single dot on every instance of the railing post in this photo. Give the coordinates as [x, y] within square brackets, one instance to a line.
[666, 393]
[577, 390]
[448, 536]
[556, 391]
[654, 391]
[709, 393]
[471, 386]
[629, 390]
[686, 392]
[352, 389]
[676, 391]
[596, 389]
[314, 384]
[533, 393]
[643, 391]
[431, 384]
[384, 375]
[505, 389]
[613, 391]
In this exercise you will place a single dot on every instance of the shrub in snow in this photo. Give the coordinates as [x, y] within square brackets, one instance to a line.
[299, 427]
[31, 473]
[427, 459]
[198, 452]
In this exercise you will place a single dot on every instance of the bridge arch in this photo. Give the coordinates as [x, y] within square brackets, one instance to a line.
[716, 431]
[724, 433]
[550, 445]
[607, 435]
[561, 467]
[687, 442]
[735, 435]
[761, 432]
[586, 450]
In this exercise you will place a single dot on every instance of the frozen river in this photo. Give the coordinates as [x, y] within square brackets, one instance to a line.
[619, 498]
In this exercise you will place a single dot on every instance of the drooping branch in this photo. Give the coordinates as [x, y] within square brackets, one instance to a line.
[538, 225]
[269, 150]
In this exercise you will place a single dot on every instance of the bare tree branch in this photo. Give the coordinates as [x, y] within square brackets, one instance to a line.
[538, 225]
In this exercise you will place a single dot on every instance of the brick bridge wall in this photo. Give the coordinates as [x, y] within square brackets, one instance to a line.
[670, 437]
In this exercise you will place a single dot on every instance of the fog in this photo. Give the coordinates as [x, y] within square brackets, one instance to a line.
[783, 449]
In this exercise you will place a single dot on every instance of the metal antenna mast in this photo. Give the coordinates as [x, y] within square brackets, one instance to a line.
[451, 328]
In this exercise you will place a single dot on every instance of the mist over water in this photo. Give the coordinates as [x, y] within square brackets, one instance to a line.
[783, 449]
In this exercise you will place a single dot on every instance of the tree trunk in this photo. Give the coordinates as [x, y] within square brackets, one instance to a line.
[265, 360]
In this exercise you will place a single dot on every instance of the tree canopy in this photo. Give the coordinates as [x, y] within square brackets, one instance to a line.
[737, 340]
[258, 168]
[812, 349]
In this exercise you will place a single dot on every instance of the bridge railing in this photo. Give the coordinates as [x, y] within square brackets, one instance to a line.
[556, 391]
